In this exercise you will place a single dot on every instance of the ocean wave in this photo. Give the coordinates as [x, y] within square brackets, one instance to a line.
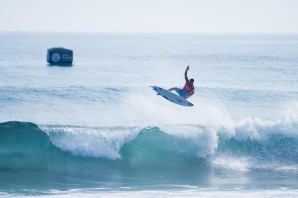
[251, 143]
[25, 146]
[60, 93]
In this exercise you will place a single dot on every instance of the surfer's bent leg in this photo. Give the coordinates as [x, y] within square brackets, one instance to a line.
[182, 93]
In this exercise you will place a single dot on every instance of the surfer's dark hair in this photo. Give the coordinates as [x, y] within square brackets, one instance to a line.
[192, 80]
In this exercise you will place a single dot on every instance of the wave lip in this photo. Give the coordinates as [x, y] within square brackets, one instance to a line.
[98, 142]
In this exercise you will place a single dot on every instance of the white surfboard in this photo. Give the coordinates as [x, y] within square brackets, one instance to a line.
[172, 97]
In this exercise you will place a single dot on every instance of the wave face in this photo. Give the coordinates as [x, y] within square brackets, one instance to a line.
[25, 147]
[251, 144]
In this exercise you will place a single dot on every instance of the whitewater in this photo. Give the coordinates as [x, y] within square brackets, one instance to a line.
[97, 128]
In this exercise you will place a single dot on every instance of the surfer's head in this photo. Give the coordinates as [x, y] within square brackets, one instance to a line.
[191, 81]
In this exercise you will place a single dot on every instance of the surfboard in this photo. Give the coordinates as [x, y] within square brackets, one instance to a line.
[171, 96]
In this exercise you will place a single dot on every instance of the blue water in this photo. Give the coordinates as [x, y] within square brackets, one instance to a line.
[97, 128]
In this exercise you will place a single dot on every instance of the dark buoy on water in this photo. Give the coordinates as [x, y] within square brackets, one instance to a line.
[60, 56]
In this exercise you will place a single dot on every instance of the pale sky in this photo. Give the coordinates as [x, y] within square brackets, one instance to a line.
[177, 16]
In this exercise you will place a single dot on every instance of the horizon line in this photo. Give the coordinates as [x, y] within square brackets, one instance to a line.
[140, 32]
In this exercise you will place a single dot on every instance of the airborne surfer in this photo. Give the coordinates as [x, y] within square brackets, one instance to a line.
[188, 89]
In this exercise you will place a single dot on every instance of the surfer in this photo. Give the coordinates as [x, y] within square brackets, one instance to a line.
[188, 89]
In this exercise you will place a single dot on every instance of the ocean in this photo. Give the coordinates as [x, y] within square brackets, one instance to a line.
[97, 128]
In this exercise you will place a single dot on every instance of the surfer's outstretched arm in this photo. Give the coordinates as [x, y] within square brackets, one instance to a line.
[185, 74]
[172, 89]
